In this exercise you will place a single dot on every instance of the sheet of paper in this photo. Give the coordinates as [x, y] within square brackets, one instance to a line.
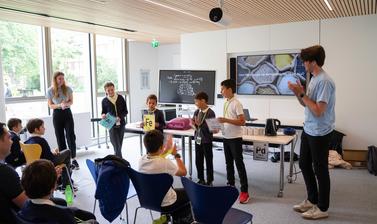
[108, 122]
[213, 124]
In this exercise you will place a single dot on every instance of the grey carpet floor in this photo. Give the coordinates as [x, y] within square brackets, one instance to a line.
[353, 192]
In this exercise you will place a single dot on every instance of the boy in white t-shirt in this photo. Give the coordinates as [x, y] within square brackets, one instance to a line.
[233, 120]
[153, 163]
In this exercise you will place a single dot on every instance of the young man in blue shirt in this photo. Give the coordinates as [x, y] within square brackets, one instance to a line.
[319, 103]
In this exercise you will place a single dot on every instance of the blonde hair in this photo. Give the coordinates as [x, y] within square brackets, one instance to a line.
[55, 85]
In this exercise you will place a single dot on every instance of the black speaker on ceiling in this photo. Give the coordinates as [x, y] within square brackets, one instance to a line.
[233, 69]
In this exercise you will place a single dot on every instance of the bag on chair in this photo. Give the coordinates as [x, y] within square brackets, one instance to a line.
[372, 159]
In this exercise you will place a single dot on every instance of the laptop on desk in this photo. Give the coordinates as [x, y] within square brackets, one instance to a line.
[246, 114]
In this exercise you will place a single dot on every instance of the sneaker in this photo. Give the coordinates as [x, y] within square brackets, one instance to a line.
[209, 183]
[244, 197]
[315, 213]
[75, 165]
[202, 182]
[304, 206]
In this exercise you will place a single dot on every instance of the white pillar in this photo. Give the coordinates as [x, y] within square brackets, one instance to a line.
[2, 100]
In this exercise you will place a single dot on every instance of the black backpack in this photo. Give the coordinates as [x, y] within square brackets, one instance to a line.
[372, 159]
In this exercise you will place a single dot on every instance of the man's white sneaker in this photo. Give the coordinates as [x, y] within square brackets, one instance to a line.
[304, 206]
[315, 213]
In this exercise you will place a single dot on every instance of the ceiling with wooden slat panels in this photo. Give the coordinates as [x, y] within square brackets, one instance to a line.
[166, 20]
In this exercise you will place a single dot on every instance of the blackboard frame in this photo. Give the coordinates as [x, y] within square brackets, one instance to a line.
[211, 95]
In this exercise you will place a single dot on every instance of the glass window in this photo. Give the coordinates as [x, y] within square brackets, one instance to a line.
[26, 110]
[21, 58]
[109, 62]
[70, 55]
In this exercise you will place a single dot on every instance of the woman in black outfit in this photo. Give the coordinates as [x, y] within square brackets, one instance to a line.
[116, 106]
[60, 99]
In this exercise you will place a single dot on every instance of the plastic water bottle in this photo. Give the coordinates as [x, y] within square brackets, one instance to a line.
[163, 219]
[68, 195]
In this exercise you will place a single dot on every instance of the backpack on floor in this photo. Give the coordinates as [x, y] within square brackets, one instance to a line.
[372, 159]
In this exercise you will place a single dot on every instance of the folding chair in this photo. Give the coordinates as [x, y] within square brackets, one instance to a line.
[94, 172]
[213, 205]
[33, 152]
[151, 189]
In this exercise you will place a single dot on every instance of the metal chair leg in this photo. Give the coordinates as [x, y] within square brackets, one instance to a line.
[136, 215]
[70, 181]
[127, 213]
[150, 211]
[94, 207]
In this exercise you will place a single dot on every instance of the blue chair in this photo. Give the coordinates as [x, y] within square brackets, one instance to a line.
[94, 172]
[151, 189]
[213, 205]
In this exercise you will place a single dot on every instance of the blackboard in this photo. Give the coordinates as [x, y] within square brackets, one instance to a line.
[180, 86]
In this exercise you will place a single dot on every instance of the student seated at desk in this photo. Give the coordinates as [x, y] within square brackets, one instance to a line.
[158, 115]
[39, 182]
[16, 157]
[37, 129]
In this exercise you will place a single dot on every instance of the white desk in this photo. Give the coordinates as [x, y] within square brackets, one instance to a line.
[280, 140]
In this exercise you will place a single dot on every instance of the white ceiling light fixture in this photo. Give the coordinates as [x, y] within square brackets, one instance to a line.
[328, 5]
[177, 10]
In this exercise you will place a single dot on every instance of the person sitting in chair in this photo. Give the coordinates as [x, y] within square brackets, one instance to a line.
[16, 157]
[39, 182]
[37, 129]
[154, 163]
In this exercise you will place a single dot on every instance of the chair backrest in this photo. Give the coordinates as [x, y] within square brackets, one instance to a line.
[209, 204]
[150, 188]
[92, 169]
[32, 152]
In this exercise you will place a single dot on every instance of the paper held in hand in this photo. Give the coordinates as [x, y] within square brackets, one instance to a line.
[108, 122]
[213, 124]
[149, 122]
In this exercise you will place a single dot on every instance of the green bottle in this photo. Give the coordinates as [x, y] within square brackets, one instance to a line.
[68, 195]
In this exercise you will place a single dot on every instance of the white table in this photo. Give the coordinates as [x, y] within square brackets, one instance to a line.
[280, 140]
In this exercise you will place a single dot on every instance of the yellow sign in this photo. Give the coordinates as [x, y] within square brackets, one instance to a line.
[149, 122]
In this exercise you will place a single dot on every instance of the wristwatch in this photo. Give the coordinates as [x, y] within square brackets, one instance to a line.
[177, 156]
[302, 95]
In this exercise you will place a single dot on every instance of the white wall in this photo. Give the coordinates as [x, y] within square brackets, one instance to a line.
[350, 47]
[206, 51]
[351, 61]
[169, 56]
[143, 56]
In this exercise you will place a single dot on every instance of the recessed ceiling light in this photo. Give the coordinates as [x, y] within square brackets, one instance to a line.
[328, 4]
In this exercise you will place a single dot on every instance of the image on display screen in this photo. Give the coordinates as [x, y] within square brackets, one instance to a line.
[269, 74]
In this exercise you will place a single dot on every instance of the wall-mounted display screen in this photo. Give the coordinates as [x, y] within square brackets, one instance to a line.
[269, 74]
[180, 86]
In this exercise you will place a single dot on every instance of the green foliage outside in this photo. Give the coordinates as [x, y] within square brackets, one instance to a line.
[21, 60]
[19, 46]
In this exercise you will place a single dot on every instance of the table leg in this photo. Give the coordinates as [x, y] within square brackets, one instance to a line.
[183, 150]
[141, 144]
[280, 194]
[99, 145]
[290, 177]
[190, 157]
[107, 144]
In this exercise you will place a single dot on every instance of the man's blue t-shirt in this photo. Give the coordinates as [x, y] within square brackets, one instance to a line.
[321, 89]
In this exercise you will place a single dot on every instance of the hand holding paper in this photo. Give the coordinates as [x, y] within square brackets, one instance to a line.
[108, 122]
